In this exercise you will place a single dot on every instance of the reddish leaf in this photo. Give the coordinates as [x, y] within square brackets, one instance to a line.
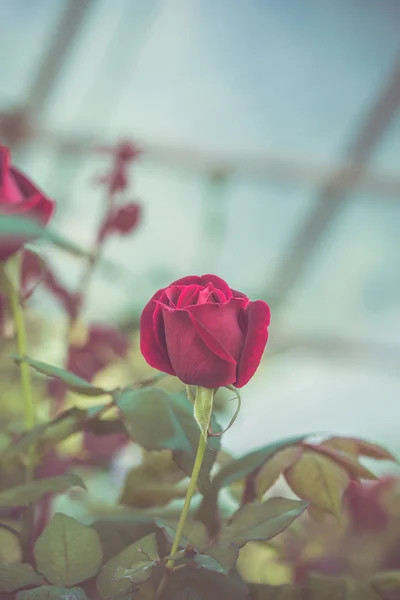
[122, 220]
[357, 447]
[352, 466]
[346, 445]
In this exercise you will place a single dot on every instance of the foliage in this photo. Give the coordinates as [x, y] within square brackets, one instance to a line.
[127, 553]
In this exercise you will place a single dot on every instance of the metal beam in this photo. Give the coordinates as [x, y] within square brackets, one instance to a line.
[61, 41]
[269, 167]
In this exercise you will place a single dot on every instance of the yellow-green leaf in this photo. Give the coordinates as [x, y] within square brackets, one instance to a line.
[118, 532]
[272, 469]
[318, 479]
[16, 576]
[349, 464]
[52, 592]
[23, 495]
[68, 552]
[346, 445]
[134, 565]
[154, 482]
[261, 521]
[46, 435]
[356, 447]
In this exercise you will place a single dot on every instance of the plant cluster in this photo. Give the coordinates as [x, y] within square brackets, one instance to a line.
[211, 337]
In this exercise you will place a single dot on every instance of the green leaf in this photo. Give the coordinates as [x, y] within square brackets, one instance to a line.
[189, 583]
[234, 471]
[116, 533]
[157, 420]
[46, 435]
[132, 566]
[273, 468]
[26, 494]
[17, 226]
[203, 409]
[153, 482]
[225, 555]
[73, 382]
[241, 467]
[319, 480]
[194, 533]
[16, 576]
[261, 521]
[204, 561]
[349, 464]
[51, 592]
[67, 552]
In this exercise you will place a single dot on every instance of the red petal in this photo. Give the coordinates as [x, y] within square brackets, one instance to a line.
[210, 341]
[258, 318]
[188, 295]
[187, 280]
[151, 324]
[218, 327]
[172, 294]
[42, 211]
[218, 283]
[193, 362]
[38, 204]
[237, 294]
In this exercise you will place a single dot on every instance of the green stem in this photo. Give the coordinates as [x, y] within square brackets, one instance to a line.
[22, 347]
[189, 495]
[29, 405]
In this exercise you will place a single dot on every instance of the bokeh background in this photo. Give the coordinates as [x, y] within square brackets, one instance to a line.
[271, 152]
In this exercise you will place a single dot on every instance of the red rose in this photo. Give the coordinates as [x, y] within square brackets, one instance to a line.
[19, 196]
[205, 333]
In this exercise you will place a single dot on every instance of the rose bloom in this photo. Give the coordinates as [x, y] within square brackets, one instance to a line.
[19, 196]
[204, 333]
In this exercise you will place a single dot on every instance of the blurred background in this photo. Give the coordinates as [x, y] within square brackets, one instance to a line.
[270, 134]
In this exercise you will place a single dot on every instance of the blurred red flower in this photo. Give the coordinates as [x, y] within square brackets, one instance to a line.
[19, 196]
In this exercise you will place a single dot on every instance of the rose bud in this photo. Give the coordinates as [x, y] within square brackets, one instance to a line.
[204, 333]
